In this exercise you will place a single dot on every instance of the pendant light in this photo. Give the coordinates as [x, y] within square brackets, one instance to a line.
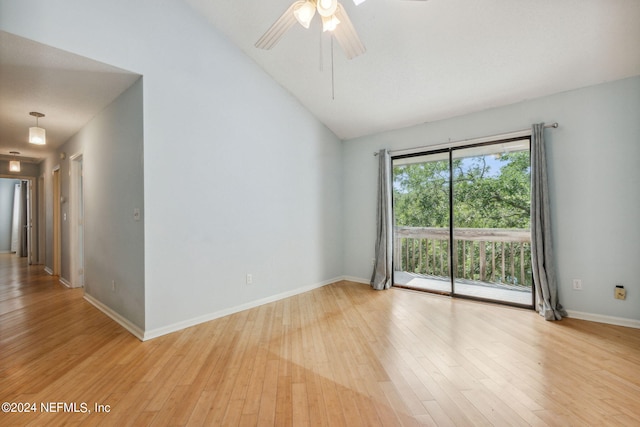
[14, 165]
[37, 135]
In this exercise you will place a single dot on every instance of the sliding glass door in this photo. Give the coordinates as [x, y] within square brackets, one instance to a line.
[462, 222]
[422, 214]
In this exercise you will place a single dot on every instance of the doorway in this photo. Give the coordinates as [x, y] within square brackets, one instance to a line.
[16, 221]
[462, 222]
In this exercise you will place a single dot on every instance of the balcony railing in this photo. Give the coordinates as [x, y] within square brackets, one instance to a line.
[484, 254]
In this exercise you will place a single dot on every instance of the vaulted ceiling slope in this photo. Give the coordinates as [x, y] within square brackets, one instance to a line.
[68, 89]
[430, 60]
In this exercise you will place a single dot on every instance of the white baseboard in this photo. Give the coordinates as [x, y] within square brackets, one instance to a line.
[136, 331]
[154, 333]
[600, 318]
[48, 271]
[356, 279]
[65, 282]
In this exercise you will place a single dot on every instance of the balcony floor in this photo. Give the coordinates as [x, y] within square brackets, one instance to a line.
[485, 290]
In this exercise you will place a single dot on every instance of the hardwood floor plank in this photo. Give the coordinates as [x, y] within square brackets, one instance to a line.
[300, 407]
[340, 355]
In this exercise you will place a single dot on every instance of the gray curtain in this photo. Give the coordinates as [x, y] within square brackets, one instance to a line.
[382, 277]
[544, 275]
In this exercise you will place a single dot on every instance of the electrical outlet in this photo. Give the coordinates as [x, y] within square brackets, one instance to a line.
[577, 284]
[249, 279]
[620, 292]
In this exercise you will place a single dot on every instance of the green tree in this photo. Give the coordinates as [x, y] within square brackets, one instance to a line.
[488, 193]
[483, 198]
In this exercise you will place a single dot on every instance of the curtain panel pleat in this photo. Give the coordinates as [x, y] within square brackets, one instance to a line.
[382, 277]
[544, 276]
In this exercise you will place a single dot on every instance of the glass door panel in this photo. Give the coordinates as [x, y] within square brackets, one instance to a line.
[421, 200]
[491, 220]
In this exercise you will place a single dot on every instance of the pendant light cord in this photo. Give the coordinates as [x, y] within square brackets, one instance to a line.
[333, 88]
[321, 56]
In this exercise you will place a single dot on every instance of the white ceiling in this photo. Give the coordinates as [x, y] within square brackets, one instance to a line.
[430, 60]
[425, 61]
[69, 89]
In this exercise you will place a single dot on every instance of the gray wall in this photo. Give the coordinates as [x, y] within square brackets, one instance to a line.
[111, 147]
[262, 190]
[594, 178]
[265, 191]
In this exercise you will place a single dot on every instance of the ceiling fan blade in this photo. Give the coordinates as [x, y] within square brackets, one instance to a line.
[277, 30]
[346, 35]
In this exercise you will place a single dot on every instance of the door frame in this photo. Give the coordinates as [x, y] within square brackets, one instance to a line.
[76, 220]
[57, 238]
[31, 208]
[449, 149]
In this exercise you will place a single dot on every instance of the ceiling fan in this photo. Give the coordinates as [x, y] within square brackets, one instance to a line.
[334, 19]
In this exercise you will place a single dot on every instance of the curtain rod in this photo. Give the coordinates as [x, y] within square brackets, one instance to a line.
[517, 133]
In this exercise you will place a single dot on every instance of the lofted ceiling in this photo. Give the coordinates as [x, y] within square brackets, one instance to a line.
[69, 89]
[430, 60]
[424, 61]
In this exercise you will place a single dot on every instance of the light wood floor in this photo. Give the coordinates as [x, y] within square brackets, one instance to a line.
[339, 355]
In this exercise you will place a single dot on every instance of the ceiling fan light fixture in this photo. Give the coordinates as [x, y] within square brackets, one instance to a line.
[304, 13]
[327, 7]
[329, 23]
[37, 135]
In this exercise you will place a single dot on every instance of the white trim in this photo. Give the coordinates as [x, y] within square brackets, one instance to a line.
[65, 282]
[356, 280]
[591, 317]
[136, 331]
[601, 318]
[154, 333]
[48, 271]
[74, 206]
